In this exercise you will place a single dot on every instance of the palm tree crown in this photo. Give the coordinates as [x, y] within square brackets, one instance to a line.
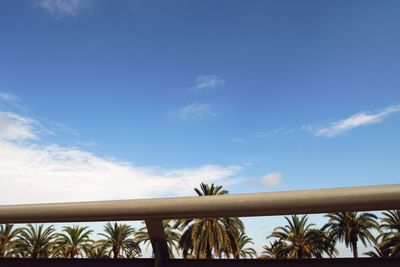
[119, 239]
[302, 240]
[209, 237]
[73, 241]
[8, 235]
[210, 190]
[388, 242]
[381, 247]
[242, 251]
[276, 250]
[351, 227]
[391, 221]
[98, 250]
[36, 241]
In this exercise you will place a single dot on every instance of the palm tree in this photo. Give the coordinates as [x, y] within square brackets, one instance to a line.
[241, 250]
[391, 221]
[394, 245]
[8, 235]
[387, 244]
[381, 247]
[351, 227]
[73, 242]
[35, 241]
[209, 237]
[172, 237]
[186, 243]
[210, 190]
[133, 251]
[97, 250]
[302, 240]
[276, 250]
[119, 239]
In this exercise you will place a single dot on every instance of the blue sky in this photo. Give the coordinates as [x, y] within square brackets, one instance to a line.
[157, 96]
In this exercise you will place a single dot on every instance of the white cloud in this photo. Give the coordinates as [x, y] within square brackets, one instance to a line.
[63, 7]
[238, 140]
[357, 120]
[272, 179]
[203, 82]
[14, 127]
[31, 172]
[275, 132]
[193, 111]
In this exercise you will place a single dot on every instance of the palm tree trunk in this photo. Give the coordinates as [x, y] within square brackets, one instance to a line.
[185, 253]
[2, 251]
[209, 254]
[355, 249]
[115, 252]
[299, 254]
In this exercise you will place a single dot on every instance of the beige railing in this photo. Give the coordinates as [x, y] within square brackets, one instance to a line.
[153, 211]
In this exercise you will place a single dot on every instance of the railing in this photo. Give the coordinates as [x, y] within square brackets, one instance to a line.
[153, 211]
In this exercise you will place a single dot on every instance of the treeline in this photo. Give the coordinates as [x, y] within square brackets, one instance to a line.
[210, 237]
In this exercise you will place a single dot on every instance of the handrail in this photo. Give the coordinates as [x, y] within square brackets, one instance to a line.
[366, 198]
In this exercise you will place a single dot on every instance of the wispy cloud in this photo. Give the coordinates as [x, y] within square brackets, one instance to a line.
[275, 132]
[10, 99]
[204, 82]
[56, 127]
[33, 172]
[14, 127]
[86, 144]
[354, 121]
[238, 140]
[193, 111]
[63, 7]
[272, 179]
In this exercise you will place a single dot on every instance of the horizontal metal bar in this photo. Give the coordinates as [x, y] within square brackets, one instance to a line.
[342, 262]
[257, 204]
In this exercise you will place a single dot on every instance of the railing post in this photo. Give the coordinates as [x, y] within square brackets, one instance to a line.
[158, 240]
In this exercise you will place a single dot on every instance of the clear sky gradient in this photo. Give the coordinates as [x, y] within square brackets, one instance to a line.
[126, 99]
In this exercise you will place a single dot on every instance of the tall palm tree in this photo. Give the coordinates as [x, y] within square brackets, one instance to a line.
[8, 235]
[171, 234]
[242, 251]
[185, 242]
[73, 241]
[119, 239]
[351, 227]
[35, 241]
[302, 239]
[209, 237]
[276, 250]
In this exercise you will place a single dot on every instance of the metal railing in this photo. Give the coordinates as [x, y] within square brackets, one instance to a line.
[153, 211]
